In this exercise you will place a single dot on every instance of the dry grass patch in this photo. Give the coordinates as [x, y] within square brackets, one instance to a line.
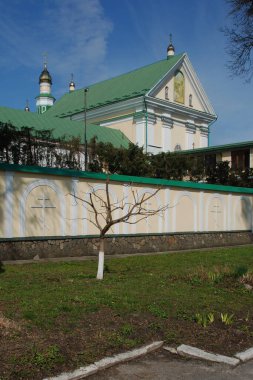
[7, 326]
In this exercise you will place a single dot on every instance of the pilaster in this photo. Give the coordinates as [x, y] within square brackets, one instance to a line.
[74, 207]
[8, 213]
[203, 136]
[167, 125]
[190, 132]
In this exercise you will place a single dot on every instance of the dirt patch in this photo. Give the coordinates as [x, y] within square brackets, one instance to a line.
[7, 326]
[104, 333]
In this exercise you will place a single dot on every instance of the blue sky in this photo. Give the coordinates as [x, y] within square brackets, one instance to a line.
[98, 39]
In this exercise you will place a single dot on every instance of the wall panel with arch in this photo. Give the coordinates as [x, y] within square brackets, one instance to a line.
[154, 223]
[42, 210]
[184, 212]
[98, 191]
[215, 213]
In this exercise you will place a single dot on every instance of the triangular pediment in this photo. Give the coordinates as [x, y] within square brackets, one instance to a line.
[181, 86]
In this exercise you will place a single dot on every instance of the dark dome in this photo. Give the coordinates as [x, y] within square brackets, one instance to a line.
[45, 76]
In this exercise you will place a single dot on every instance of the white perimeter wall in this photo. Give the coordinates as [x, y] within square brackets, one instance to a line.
[40, 204]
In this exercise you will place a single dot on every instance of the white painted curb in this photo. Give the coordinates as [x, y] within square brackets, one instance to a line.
[245, 355]
[107, 362]
[194, 352]
[172, 350]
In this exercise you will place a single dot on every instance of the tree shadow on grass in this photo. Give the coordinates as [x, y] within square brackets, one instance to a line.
[2, 269]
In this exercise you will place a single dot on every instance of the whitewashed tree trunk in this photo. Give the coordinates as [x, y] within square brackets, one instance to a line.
[101, 258]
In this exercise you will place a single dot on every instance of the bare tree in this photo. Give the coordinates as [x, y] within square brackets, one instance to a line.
[104, 212]
[240, 38]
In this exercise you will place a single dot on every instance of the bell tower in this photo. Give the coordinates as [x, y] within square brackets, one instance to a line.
[44, 100]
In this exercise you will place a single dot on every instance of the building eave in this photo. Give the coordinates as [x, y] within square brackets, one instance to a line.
[110, 109]
[125, 178]
[219, 148]
[172, 107]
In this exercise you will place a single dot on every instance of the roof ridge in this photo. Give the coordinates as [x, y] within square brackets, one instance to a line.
[131, 71]
[122, 87]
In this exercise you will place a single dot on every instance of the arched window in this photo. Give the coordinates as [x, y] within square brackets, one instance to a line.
[177, 148]
[179, 87]
[190, 100]
[167, 92]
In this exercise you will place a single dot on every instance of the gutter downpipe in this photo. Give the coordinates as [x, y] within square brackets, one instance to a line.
[146, 125]
[208, 142]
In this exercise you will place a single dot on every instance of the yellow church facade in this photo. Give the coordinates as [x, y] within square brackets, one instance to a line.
[162, 107]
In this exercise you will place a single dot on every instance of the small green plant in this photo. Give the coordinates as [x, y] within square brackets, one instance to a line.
[227, 319]
[210, 317]
[171, 337]
[155, 326]
[117, 339]
[247, 278]
[195, 280]
[201, 319]
[204, 319]
[214, 277]
[157, 311]
[127, 330]
[48, 358]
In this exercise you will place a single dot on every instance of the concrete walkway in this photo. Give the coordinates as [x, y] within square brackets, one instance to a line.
[161, 365]
[95, 256]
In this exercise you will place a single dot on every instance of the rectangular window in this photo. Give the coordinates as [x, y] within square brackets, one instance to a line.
[210, 160]
[240, 159]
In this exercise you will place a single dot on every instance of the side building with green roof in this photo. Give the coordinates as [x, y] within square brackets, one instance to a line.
[59, 139]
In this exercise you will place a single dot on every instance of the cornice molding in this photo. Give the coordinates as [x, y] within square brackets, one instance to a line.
[190, 127]
[170, 107]
[167, 122]
[111, 109]
[196, 84]
[203, 130]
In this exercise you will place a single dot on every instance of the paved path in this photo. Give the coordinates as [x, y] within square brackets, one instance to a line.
[164, 366]
[95, 256]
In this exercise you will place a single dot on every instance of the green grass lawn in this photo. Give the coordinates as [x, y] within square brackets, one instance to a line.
[57, 316]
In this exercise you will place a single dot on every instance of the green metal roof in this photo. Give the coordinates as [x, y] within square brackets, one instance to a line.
[125, 178]
[62, 127]
[218, 148]
[130, 85]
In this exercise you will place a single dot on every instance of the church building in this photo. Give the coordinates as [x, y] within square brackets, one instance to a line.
[162, 106]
